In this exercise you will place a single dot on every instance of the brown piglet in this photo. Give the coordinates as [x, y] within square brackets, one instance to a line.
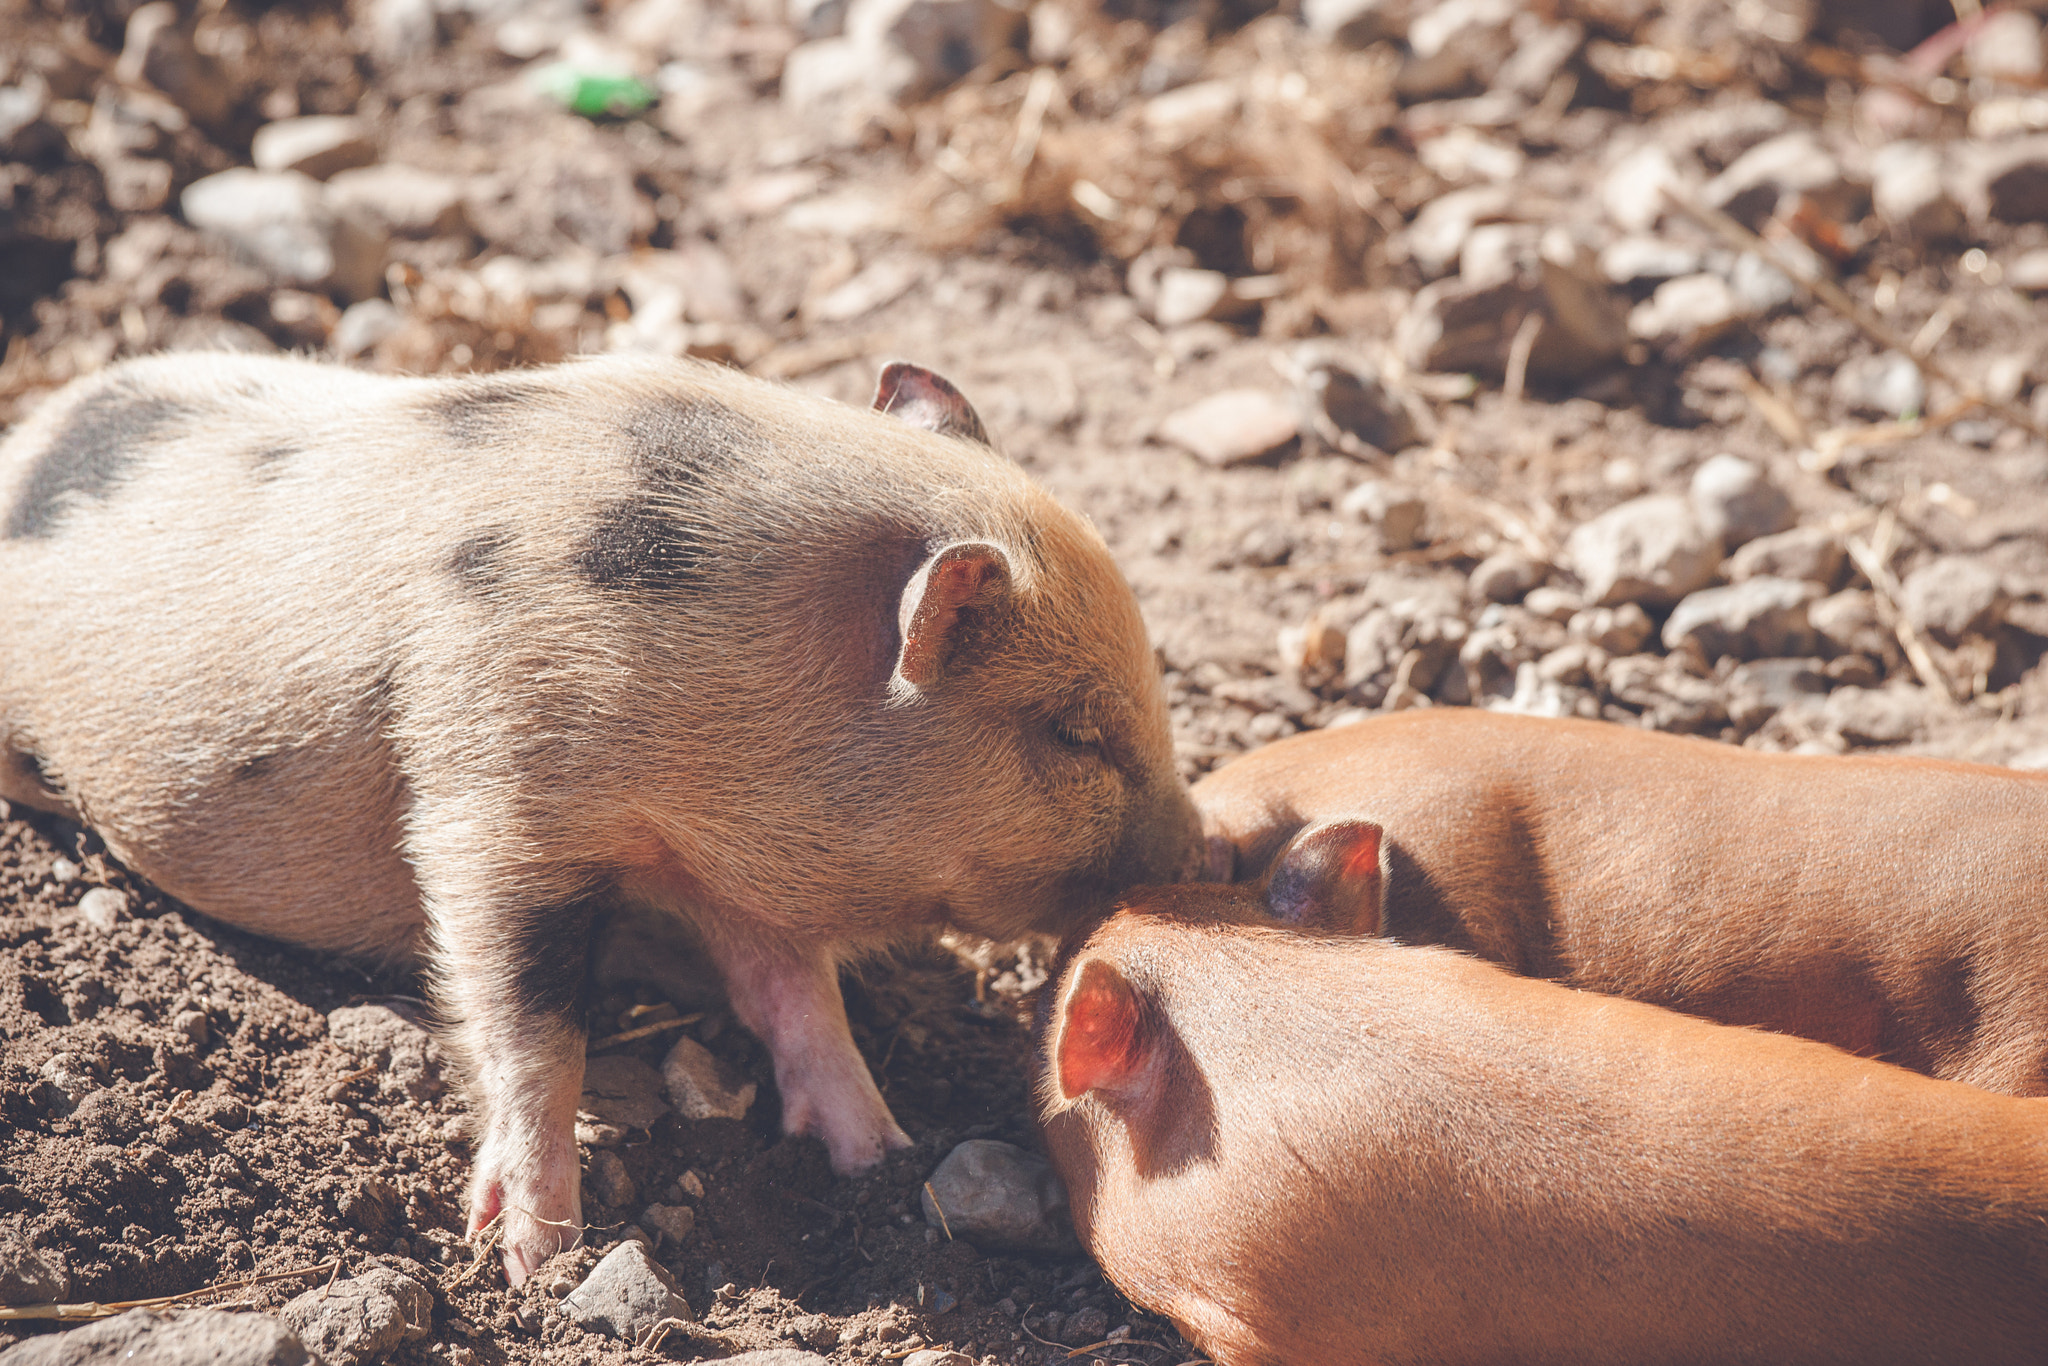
[445, 666]
[1896, 907]
[1344, 1150]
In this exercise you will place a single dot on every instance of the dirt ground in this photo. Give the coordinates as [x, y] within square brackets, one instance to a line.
[181, 1104]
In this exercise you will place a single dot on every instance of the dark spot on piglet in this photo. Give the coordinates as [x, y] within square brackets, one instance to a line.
[681, 448]
[547, 950]
[88, 453]
[479, 562]
[639, 546]
[269, 461]
[486, 410]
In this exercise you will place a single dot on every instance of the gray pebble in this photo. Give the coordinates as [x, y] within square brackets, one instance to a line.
[626, 1295]
[998, 1196]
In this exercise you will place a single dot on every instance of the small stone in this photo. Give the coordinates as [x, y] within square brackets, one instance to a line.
[196, 1337]
[1507, 576]
[626, 1295]
[1669, 697]
[317, 145]
[1953, 597]
[1460, 325]
[406, 1056]
[156, 48]
[1343, 401]
[699, 1085]
[371, 1204]
[692, 1184]
[103, 908]
[404, 200]
[1356, 23]
[1649, 550]
[32, 1275]
[1632, 191]
[1884, 385]
[362, 1319]
[1760, 690]
[1848, 622]
[1757, 618]
[68, 1079]
[282, 222]
[1315, 648]
[1792, 163]
[827, 70]
[935, 1356]
[1395, 512]
[1878, 716]
[193, 1025]
[1552, 604]
[1436, 238]
[1088, 1325]
[999, 1197]
[622, 1090]
[1909, 191]
[1687, 311]
[670, 1222]
[362, 325]
[942, 40]
[1813, 554]
[775, 1356]
[1632, 259]
[1619, 630]
[1233, 427]
[2005, 180]
[1185, 296]
[2028, 271]
[2005, 45]
[607, 1178]
[1736, 502]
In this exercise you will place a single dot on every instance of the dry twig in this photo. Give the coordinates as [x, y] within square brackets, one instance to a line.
[107, 1310]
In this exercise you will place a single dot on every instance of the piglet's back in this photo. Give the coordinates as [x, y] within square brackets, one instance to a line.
[1356, 1151]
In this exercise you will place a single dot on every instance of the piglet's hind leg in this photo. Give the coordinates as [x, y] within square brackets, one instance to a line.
[792, 1003]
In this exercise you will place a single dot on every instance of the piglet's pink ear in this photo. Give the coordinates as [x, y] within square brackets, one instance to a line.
[913, 394]
[962, 584]
[1101, 1040]
[1333, 878]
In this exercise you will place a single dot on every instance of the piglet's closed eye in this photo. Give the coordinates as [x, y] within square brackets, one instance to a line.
[1332, 878]
[1101, 1032]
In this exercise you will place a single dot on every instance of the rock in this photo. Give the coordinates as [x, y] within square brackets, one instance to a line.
[1953, 597]
[1631, 259]
[878, 285]
[814, 1330]
[1632, 192]
[1688, 311]
[1848, 622]
[371, 1204]
[1506, 576]
[999, 1197]
[194, 1025]
[1436, 238]
[361, 1320]
[1314, 649]
[2028, 271]
[1736, 502]
[622, 1090]
[362, 325]
[1649, 550]
[1758, 286]
[2006, 180]
[1396, 513]
[31, 1275]
[1813, 554]
[821, 72]
[1878, 716]
[936, 1356]
[1909, 192]
[1454, 45]
[1356, 23]
[943, 40]
[775, 1356]
[2005, 45]
[403, 200]
[626, 1295]
[699, 1085]
[103, 908]
[196, 1337]
[1668, 697]
[1186, 296]
[670, 1222]
[281, 221]
[68, 1078]
[317, 145]
[24, 133]
[1233, 427]
[1343, 401]
[1455, 325]
[1760, 690]
[607, 1179]
[1757, 618]
[1553, 604]
[1792, 163]
[156, 49]
[406, 1056]
[1884, 385]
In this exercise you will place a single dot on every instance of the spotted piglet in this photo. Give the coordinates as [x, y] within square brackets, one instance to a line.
[443, 666]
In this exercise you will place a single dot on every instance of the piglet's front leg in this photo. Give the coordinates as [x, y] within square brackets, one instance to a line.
[789, 997]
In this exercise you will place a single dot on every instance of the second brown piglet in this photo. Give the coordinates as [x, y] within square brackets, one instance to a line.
[1896, 907]
[1345, 1150]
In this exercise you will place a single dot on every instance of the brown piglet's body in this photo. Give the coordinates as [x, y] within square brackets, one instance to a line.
[1896, 907]
[1350, 1151]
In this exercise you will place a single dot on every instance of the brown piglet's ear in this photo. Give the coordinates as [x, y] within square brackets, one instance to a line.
[1333, 877]
[913, 394]
[1100, 1041]
[964, 581]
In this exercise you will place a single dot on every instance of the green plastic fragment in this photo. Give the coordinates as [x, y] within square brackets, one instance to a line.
[593, 94]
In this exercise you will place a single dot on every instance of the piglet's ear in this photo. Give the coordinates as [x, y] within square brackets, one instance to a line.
[1333, 877]
[1100, 1041]
[913, 394]
[957, 588]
